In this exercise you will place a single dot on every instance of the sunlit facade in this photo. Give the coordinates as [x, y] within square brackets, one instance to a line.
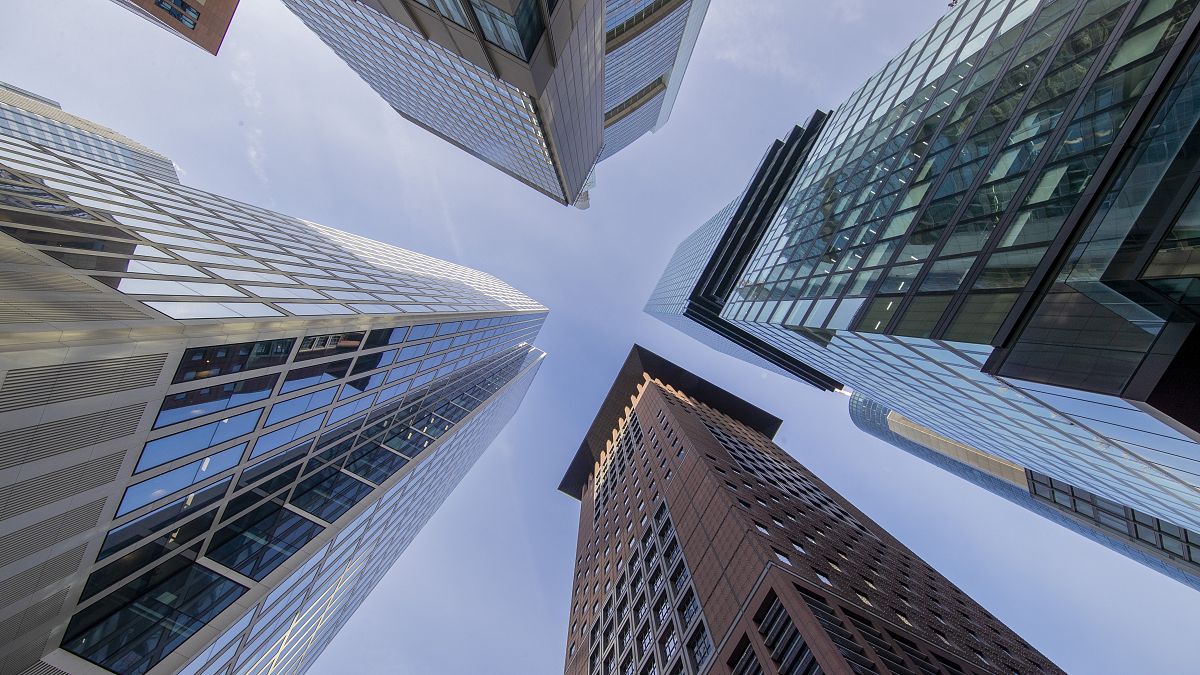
[705, 549]
[966, 240]
[539, 91]
[220, 425]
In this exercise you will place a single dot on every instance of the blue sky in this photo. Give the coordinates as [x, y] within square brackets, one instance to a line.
[277, 120]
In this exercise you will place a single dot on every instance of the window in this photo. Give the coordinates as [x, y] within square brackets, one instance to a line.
[670, 644]
[689, 608]
[202, 362]
[194, 403]
[152, 489]
[181, 11]
[700, 646]
[169, 448]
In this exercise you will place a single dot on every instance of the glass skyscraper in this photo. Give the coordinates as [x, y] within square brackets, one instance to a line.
[220, 425]
[540, 90]
[1157, 544]
[990, 237]
[31, 117]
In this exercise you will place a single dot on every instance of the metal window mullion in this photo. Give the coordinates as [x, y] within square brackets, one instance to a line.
[938, 180]
[941, 127]
[1033, 175]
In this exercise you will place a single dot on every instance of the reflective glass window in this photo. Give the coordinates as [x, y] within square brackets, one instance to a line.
[206, 400]
[140, 494]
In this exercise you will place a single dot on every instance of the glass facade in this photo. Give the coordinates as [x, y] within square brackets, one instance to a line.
[307, 399]
[1161, 546]
[932, 208]
[36, 119]
[438, 89]
[540, 110]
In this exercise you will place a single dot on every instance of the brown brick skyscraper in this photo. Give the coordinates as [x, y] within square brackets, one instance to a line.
[704, 548]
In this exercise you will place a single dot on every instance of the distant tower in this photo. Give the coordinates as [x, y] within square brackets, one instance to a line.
[704, 548]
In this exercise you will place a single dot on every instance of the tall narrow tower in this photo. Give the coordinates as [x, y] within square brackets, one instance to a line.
[704, 548]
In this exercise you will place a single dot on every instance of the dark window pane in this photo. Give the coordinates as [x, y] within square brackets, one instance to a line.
[135, 627]
[203, 362]
[260, 541]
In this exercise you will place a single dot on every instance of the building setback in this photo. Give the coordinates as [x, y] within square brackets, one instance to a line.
[993, 238]
[220, 425]
[540, 90]
[704, 548]
[34, 118]
[200, 22]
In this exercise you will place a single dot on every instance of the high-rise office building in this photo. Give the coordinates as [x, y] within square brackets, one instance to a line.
[990, 238]
[219, 425]
[542, 90]
[705, 548]
[200, 22]
[31, 117]
[1161, 546]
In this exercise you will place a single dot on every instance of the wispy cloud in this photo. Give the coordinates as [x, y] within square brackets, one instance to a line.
[244, 79]
[767, 39]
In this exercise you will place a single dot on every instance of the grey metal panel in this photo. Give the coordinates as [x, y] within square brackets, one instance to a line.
[42, 535]
[41, 576]
[39, 311]
[36, 492]
[27, 387]
[28, 444]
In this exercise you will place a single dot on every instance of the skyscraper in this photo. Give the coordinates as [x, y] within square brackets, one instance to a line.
[990, 238]
[34, 118]
[200, 22]
[540, 90]
[704, 548]
[219, 425]
[1159, 545]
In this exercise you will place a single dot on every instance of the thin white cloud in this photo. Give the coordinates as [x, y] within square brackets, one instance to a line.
[244, 80]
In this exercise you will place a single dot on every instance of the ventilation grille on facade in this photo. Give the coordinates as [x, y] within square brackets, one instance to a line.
[842, 638]
[43, 668]
[23, 280]
[40, 311]
[28, 444]
[780, 635]
[40, 536]
[40, 576]
[27, 387]
[13, 256]
[49, 488]
[23, 622]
